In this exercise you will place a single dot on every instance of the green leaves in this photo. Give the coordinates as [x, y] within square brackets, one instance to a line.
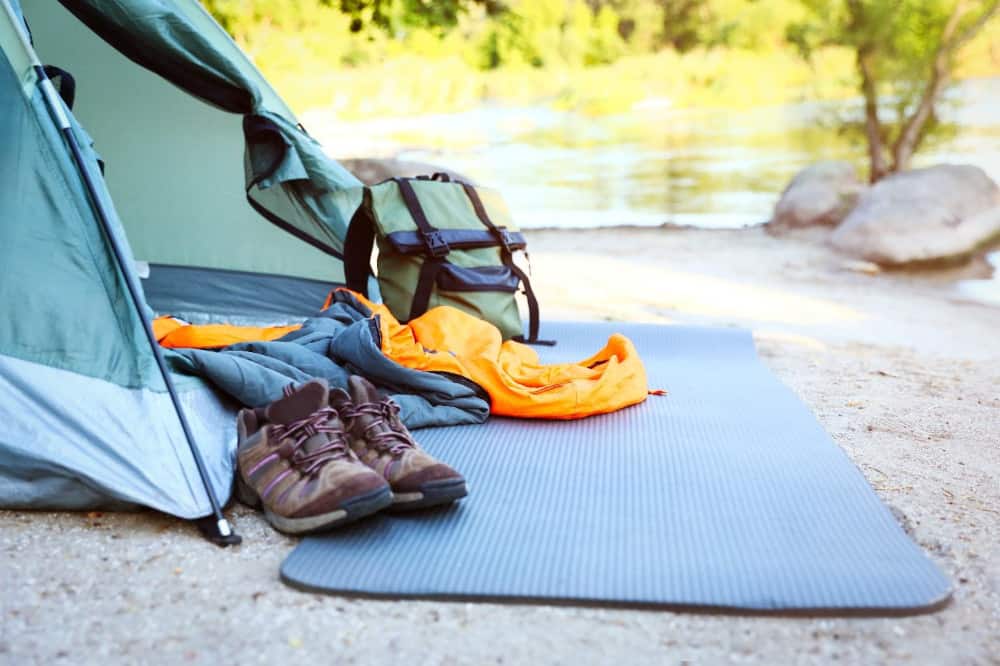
[905, 60]
[398, 15]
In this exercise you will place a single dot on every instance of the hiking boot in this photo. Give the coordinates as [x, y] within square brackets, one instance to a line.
[293, 458]
[382, 442]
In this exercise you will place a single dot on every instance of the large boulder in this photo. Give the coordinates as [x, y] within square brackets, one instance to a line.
[371, 170]
[821, 194]
[925, 215]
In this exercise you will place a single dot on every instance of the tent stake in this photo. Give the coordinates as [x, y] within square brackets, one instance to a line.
[220, 533]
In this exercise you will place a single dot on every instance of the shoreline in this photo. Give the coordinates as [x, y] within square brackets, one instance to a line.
[792, 284]
[973, 265]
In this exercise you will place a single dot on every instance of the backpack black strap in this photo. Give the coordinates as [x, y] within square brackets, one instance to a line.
[67, 84]
[358, 246]
[507, 256]
[435, 249]
[434, 243]
[425, 285]
[533, 314]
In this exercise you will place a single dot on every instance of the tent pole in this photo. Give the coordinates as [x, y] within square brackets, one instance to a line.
[221, 533]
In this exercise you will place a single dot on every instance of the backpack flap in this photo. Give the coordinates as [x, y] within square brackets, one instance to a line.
[410, 242]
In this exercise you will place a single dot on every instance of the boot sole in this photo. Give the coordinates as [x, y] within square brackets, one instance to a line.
[348, 512]
[433, 493]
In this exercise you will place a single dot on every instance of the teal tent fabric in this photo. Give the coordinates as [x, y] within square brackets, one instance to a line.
[64, 301]
[87, 422]
[161, 37]
[75, 442]
[178, 41]
[174, 164]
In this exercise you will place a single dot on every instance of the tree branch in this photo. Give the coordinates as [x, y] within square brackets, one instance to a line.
[913, 131]
[973, 28]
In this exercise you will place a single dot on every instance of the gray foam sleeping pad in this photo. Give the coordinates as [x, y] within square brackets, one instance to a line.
[724, 493]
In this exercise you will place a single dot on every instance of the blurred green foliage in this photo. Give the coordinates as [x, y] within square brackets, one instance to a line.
[902, 37]
[488, 34]
[906, 56]
[364, 57]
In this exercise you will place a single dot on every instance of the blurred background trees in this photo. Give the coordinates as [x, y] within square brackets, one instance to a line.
[496, 33]
[394, 57]
[905, 54]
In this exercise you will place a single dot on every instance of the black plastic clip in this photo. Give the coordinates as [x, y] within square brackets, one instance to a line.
[435, 243]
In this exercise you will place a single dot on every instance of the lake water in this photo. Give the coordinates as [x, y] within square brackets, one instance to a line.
[656, 165]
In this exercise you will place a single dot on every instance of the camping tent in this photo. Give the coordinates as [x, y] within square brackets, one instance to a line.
[199, 195]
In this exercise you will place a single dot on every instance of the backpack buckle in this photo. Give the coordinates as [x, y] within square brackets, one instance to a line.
[435, 243]
[505, 238]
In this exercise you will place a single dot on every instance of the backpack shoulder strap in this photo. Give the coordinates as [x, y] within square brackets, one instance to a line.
[435, 249]
[67, 84]
[434, 243]
[358, 246]
[507, 256]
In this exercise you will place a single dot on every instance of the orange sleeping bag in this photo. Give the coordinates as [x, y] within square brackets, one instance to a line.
[176, 334]
[445, 339]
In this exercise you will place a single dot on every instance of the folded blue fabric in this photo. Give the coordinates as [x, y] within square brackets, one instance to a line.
[337, 342]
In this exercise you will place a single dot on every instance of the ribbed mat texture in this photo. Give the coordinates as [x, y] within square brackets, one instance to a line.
[724, 493]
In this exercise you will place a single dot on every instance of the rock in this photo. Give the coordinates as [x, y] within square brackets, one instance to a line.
[858, 266]
[821, 194]
[940, 213]
[371, 170]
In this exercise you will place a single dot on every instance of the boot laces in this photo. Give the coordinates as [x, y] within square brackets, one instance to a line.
[396, 440]
[320, 421]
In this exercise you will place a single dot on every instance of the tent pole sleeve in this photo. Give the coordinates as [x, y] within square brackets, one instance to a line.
[224, 535]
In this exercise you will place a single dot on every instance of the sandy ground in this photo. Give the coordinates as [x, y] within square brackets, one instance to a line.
[903, 374]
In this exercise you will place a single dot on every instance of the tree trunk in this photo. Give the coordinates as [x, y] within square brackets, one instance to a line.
[915, 129]
[873, 128]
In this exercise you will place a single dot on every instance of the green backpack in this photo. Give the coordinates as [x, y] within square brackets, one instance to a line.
[441, 242]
